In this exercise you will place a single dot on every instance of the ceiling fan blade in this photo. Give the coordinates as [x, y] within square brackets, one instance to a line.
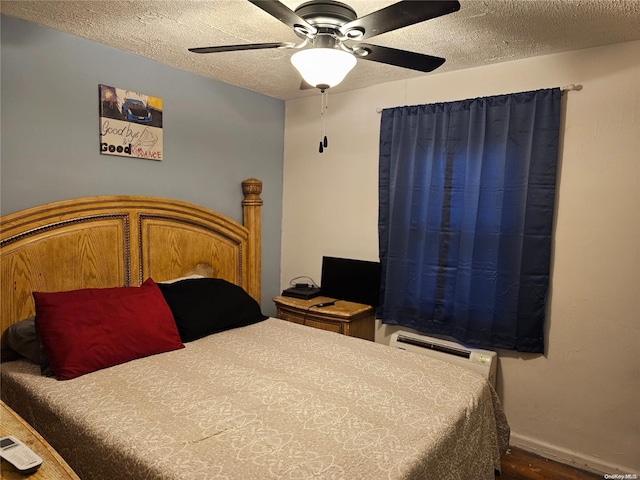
[284, 14]
[398, 15]
[400, 58]
[246, 46]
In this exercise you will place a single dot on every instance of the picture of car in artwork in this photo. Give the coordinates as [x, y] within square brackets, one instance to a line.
[135, 110]
[130, 106]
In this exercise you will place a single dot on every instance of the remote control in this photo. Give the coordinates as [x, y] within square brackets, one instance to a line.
[19, 455]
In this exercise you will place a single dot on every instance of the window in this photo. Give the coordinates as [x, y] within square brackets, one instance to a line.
[467, 193]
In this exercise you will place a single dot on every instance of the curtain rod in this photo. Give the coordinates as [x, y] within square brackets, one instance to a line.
[571, 86]
[566, 88]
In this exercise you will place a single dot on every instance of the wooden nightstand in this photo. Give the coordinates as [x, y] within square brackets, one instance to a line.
[53, 466]
[347, 318]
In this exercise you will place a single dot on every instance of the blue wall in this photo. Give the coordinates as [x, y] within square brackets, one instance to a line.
[215, 135]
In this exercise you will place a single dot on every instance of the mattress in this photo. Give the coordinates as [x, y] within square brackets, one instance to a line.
[274, 400]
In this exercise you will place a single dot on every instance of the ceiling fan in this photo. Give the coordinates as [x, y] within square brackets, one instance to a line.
[334, 34]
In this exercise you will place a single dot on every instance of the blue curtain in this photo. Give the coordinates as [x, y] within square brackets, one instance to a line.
[466, 196]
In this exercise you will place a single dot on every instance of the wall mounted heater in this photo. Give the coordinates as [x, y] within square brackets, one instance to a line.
[481, 361]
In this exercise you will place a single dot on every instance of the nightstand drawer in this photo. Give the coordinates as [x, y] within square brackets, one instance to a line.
[289, 316]
[324, 325]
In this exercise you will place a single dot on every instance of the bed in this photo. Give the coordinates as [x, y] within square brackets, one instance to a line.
[259, 399]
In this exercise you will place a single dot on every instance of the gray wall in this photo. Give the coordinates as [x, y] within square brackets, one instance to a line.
[215, 135]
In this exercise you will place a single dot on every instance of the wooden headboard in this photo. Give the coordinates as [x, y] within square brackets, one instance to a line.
[113, 241]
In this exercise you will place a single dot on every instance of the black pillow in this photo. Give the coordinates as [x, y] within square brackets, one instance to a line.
[22, 338]
[202, 306]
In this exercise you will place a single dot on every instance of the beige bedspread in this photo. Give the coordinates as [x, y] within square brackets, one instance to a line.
[273, 400]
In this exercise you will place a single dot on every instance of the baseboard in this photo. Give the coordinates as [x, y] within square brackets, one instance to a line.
[568, 457]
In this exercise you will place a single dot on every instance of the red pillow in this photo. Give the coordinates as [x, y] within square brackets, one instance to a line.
[86, 330]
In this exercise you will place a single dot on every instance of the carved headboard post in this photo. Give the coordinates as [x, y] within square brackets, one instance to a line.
[251, 205]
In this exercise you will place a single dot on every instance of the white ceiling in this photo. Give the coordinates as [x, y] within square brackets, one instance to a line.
[482, 32]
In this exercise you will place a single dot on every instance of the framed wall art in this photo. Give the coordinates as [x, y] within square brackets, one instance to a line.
[130, 124]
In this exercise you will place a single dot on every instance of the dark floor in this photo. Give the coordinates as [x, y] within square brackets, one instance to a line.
[518, 464]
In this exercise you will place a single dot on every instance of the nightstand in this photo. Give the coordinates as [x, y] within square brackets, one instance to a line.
[347, 318]
[53, 466]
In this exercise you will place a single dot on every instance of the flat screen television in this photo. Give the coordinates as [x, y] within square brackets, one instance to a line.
[350, 279]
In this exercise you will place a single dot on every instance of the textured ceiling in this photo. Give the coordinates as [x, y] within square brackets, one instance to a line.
[482, 32]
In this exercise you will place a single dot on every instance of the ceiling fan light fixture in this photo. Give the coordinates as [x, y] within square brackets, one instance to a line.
[323, 67]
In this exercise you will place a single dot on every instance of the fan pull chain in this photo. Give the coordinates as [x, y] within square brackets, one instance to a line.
[324, 105]
[326, 119]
